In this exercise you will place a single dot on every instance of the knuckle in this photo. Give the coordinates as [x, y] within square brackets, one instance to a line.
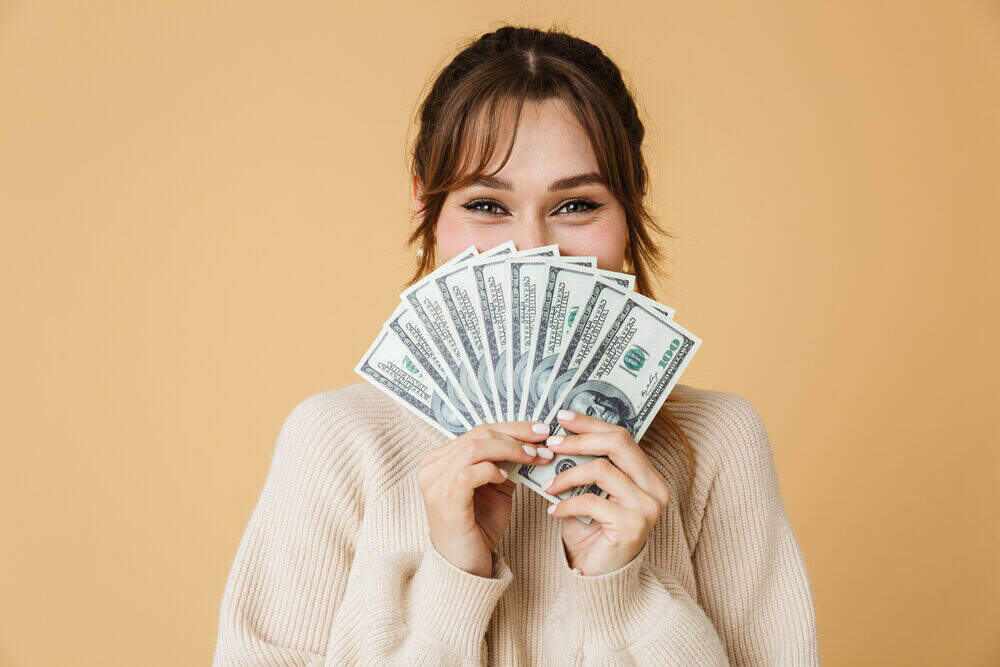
[482, 431]
[651, 509]
[602, 466]
[463, 476]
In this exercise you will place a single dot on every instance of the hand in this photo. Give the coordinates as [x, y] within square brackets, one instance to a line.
[637, 494]
[467, 497]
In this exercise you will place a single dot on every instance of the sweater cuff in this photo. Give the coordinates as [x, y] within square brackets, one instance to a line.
[615, 607]
[453, 606]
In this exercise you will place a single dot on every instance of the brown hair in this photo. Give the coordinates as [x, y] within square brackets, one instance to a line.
[460, 120]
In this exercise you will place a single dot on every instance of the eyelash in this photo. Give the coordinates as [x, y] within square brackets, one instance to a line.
[590, 205]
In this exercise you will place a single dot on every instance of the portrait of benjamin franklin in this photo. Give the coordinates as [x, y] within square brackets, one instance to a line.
[604, 401]
[445, 416]
[540, 377]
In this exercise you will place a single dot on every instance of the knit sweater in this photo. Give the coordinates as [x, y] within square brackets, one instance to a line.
[336, 566]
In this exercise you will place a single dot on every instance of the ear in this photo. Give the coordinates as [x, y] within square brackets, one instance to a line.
[416, 191]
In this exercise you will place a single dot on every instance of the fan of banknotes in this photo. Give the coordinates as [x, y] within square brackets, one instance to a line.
[508, 335]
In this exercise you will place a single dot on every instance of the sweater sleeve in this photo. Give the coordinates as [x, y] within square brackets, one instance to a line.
[297, 594]
[751, 575]
[753, 605]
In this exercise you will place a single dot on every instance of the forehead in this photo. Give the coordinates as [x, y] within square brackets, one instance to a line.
[550, 143]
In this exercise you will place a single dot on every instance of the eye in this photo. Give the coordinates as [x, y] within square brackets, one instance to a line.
[482, 206]
[581, 206]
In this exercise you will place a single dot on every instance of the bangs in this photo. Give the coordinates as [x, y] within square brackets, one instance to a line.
[491, 118]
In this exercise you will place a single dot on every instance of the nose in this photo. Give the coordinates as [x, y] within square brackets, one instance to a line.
[531, 232]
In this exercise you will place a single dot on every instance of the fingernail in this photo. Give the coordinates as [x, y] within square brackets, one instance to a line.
[539, 427]
[554, 440]
[551, 509]
[545, 453]
[529, 450]
[565, 415]
[503, 473]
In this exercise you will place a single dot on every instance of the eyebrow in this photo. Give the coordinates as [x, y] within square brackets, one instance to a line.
[561, 184]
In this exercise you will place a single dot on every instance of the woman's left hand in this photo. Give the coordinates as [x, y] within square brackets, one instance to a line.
[637, 494]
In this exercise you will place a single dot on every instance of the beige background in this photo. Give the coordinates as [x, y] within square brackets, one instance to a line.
[204, 206]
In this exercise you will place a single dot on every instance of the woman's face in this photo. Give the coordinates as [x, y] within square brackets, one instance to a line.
[550, 191]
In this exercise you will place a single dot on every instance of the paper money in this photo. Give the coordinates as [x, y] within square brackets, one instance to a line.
[427, 303]
[388, 364]
[566, 288]
[403, 323]
[523, 275]
[510, 335]
[594, 319]
[624, 380]
[457, 288]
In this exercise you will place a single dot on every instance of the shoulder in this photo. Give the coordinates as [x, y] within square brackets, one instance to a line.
[356, 433]
[354, 410]
[720, 424]
[728, 436]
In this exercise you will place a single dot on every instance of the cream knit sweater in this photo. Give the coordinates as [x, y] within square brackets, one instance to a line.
[335, 566]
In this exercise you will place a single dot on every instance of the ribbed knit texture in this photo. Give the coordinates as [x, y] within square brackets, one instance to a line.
[336, 567]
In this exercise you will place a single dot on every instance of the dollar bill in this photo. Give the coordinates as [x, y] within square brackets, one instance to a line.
[427, 303]
[633, 369]
[457, 287]
[594, 319]
[625, 280]
[624, 380]
[389, 366]
[518, 334]
[566, 288]
[404, 325]
[527, 275]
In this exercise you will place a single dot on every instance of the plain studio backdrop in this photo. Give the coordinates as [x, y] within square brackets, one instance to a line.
[204, 207]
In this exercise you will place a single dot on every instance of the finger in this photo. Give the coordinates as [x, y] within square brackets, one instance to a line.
[623, 452]
[469, 478]
[601, 510]
[498, 448]
[577, 422]
[610, 478]
[525, 431]
[615, 444]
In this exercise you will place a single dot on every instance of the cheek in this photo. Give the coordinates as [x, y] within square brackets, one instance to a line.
[606, 242]
[453, 235]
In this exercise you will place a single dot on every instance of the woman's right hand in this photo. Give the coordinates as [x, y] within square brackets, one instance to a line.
[467, 497]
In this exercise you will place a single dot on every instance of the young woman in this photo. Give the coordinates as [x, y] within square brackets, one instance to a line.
[377, 539]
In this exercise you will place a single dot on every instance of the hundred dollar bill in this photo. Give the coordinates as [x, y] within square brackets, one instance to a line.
[624, 380]
[566, 287]
[490, 277]
[503, 370]
[593, 320]
[388, 365]
[527, 275]
[427, 303]
[629, 374]
[404, 325]
[626, 280]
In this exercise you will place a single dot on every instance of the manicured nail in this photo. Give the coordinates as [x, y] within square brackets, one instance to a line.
[545, 453]
[529, 450]
[539, 427]
[554, 440]
[503, 473]
[552, 508]
[565, 415]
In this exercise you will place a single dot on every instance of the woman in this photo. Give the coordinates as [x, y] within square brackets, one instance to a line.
[377, 539]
